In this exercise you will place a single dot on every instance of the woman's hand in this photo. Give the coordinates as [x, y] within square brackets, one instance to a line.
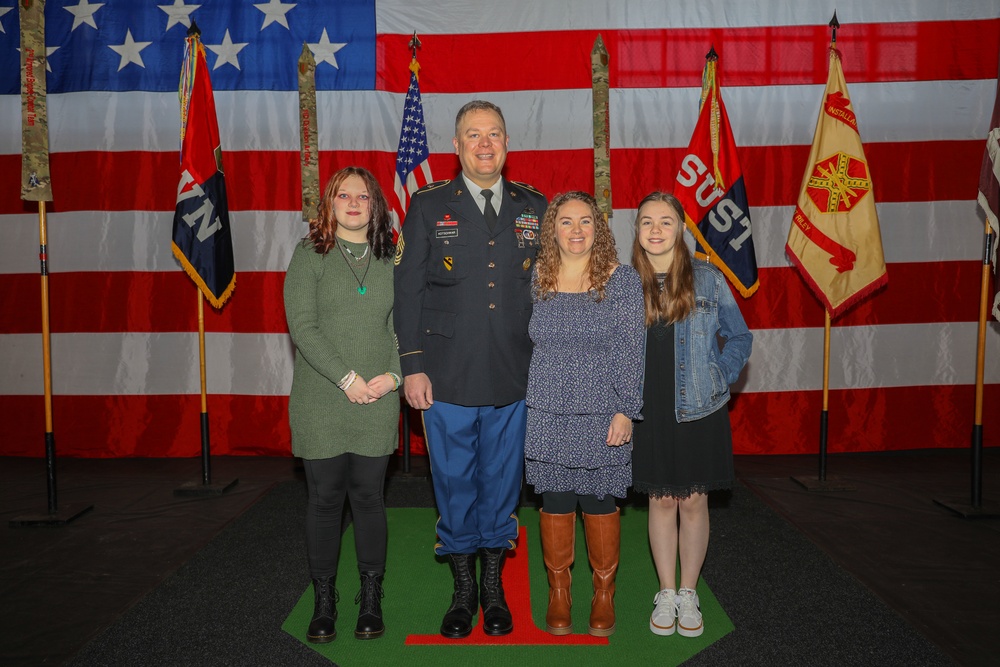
[620, 430]
[359, 392]
[379, 386]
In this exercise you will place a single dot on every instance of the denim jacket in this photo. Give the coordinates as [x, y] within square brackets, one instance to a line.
[703, 372]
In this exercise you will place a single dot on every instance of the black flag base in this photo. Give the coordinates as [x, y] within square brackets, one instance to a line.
[205, 489]
[830, 483]
[200, 490]
[984, 510]
[60, 517]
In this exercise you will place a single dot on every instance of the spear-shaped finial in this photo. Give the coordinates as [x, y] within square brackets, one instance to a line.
[834, 23]
[712, 55]
[194, 30]
[414, 44]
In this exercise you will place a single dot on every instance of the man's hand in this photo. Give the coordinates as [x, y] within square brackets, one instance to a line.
[417, 388]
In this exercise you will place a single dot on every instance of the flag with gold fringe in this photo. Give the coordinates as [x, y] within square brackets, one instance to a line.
[834, 238]
[202, 237]
[711, 188]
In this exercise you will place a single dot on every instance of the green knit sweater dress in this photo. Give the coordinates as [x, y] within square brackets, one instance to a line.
[336, 329]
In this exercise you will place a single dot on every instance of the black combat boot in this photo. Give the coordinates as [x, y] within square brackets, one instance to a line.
[370, 623]
[457, 621]
[496, 615]
[322, 628]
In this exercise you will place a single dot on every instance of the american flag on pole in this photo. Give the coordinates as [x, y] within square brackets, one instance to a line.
[413, 171]
[924, 81]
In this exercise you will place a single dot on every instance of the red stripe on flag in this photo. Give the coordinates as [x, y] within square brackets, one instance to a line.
[949, 170]
[782, 55]
[160, 302]
[763, 423]
[860, 419]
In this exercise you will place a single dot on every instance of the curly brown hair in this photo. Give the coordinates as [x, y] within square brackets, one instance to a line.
[322, 231]
[603, 256]
[676, 300]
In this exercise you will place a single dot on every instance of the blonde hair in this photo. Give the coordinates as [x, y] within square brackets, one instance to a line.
[676, 300]
[603, 256]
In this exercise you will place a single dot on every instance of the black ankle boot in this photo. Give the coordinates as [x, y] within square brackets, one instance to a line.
[323, 629]
[496, 615]
[370, 623]
[464, 603]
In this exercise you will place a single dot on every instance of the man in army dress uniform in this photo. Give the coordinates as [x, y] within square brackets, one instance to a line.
[462, 304]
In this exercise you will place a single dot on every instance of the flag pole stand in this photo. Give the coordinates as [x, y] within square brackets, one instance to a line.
[405, 424]
[823, 482]
[977, 508]
[54, 516]
[205, 488]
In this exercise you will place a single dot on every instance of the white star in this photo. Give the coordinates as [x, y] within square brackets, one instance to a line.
[49, 50]
[4, 10]
[324, 51]
[129, 51]
[227, 51]
[83, 13]
[178, 13]
[274, 12]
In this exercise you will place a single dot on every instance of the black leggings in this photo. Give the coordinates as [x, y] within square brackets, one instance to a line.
[565, 502]
[362, 480]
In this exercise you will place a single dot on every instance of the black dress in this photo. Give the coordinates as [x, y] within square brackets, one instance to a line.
[671, 458]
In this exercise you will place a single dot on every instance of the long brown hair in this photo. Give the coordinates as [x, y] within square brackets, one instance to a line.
[676, 299]
[322, 231]
[603, 256]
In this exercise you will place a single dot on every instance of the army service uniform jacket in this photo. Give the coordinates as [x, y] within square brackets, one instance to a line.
[463, 293]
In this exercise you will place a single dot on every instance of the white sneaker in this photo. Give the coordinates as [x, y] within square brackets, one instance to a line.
[689, 623]
[664, 619]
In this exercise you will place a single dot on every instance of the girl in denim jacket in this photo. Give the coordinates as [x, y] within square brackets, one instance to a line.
[683, 448]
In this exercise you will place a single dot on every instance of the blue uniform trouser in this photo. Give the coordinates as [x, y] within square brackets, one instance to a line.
[477, 459]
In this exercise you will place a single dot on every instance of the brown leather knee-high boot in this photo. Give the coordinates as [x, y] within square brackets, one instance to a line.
[603, 543]
[558, 547]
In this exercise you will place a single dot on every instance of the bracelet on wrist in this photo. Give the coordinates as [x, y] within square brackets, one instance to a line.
[347, 381]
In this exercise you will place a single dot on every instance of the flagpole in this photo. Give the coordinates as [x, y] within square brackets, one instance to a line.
[822, 482]
[206, 464]
[36, 185]
[205, 488]
[976, 508]
[824, 415]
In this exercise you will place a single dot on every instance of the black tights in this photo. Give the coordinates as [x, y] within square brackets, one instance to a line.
[565, 502]
[362, 480]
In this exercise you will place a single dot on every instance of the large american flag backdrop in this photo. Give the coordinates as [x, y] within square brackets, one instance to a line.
[922, 75]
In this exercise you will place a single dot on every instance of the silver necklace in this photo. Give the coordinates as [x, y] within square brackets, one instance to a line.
[356, 258]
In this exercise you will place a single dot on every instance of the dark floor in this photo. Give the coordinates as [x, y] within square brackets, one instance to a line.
[61, 586]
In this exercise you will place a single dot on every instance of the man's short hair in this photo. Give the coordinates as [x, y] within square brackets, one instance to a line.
[479, 105]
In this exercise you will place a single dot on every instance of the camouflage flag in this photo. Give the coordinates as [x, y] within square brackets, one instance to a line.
[602, 133]
[834, 239]
[35, 182]
[202, 240]
[308, 146]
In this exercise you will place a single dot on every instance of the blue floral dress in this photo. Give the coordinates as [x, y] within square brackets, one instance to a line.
[586, 366]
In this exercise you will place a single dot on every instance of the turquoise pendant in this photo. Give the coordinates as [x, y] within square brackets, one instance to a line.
[362, 290]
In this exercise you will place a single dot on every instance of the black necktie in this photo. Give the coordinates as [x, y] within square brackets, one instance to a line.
[489, 211]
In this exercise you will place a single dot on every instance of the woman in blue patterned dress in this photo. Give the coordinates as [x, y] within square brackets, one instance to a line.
[683, 448]
[584, 392]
